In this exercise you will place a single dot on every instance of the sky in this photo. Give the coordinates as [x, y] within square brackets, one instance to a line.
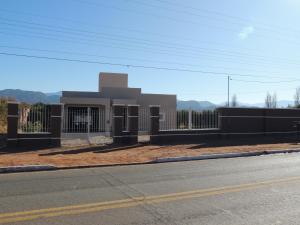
[188, 48]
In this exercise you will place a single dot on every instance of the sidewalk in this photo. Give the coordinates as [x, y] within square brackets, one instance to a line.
[116, 155]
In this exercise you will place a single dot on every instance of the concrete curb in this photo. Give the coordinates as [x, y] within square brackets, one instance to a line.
[35, 168]
[225, 155]
[29, 168]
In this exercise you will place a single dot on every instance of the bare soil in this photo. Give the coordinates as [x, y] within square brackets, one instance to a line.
[112, 154]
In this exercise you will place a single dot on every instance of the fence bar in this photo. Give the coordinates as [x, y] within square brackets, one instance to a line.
[84, 120]
[34, 118]
[188, 120]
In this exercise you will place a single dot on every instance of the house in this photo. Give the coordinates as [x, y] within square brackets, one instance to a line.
[91, 112]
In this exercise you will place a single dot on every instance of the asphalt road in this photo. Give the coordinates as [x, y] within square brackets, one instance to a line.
[255, 190]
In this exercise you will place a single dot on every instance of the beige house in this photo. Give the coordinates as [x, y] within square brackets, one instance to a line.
[91, 112]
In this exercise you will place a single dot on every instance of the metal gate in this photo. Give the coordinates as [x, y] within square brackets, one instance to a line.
[85, 125]
[144, 124]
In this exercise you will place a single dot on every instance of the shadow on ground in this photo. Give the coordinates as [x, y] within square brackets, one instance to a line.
[46, 151]
[10, 150]
[94, 149]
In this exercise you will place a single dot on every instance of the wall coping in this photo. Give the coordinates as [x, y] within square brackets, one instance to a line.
[133, 105]
[296, 109]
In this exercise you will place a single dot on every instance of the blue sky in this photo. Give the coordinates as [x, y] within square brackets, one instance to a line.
[256, 42]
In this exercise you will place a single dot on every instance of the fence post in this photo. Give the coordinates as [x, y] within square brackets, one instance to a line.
[118, 118]
[108, 119]
[12, 124]
[154, 120]
[55, 124]
[133, 123]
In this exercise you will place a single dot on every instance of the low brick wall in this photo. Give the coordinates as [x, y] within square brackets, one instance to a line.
[238, 123]
[267, 121]
[36, 140]
[185, 136]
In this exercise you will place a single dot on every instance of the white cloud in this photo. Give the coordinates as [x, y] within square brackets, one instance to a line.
[245, 32]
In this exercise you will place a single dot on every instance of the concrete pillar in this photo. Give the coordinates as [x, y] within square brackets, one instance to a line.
[154, 120]
[55, 124]
[118, 118]
[12, 124]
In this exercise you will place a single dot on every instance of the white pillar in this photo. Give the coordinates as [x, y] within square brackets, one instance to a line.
[89, 119]
[108, 119]
[190, 119]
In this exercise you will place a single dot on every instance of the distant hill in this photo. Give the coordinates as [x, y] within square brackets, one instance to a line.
[30, 96]
[36, 96]
[280, 104]
[206, 105]
[195, 105]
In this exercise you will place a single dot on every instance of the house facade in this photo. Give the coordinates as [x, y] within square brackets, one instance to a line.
[91, 112]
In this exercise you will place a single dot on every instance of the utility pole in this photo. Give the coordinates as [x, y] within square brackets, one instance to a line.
[228, 91]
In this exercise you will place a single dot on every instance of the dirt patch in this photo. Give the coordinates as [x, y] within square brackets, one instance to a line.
[110, 154]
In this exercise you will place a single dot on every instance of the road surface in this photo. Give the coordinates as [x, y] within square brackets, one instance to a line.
[255, 190]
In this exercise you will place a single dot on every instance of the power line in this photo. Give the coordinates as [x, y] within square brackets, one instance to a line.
[126, 65]
[67, 41]
[139, 31]
[266, 82]
[236, 19]
[160, 35]
[215, 93]
[108, 57]
[227, 61]
[180, 53]
[168, 45]
[112, 64]
[155, 16]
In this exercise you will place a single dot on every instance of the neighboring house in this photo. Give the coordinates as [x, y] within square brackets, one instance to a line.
[113, 89]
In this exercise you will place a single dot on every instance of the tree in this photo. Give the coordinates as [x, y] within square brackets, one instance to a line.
[274, 101]
[271, 101]
[234, 102]
[297, 98]
[268, 101]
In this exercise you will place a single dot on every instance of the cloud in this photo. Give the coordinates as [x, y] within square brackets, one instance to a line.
[245, 32]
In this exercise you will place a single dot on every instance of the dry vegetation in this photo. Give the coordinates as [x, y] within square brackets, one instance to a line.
[3, 115]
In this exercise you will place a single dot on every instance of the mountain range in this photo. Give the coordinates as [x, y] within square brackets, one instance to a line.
[195, 105]
[35, 97]
[30, 96]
